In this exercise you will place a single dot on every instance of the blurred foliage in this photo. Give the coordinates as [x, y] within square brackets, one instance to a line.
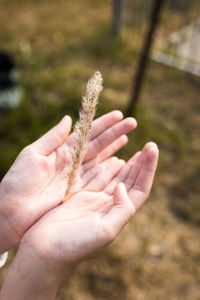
[187, 204]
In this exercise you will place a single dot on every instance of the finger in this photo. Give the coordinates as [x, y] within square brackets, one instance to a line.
[106, 153]
[121, 177]
[108, 136]
[120, 213]
[100, 125]
[98, 177]
[106, 121]
[134, 171]
[50, 141]
[142, 186]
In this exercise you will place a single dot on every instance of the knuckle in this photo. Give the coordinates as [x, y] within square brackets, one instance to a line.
[27, 150]
[131, 210]
[98, 143]
[108, 234]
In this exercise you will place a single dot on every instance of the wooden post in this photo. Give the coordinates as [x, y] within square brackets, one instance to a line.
[117, 16]
[139, 76]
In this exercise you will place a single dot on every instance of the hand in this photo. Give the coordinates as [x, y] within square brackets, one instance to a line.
[89, 221]
[83, 225]
[37, 180]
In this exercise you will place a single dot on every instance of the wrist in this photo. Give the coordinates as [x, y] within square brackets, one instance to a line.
[31, 277]
[8, 235]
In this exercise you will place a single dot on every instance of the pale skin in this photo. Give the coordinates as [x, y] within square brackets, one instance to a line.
[109, 193]
[37, 180]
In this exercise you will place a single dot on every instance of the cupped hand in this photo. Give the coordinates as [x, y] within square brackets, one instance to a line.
[93, 217]
[37, 180]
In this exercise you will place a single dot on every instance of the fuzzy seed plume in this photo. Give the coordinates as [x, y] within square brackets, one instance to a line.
[83, 126]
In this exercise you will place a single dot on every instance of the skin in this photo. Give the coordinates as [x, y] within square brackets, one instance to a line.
[79, 228]
[99, 215]
[37, 181]
[54, 236]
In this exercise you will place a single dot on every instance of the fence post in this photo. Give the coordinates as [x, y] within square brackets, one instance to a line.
[142, 64]
[117, 16]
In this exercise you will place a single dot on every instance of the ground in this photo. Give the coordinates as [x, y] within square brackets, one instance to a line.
[57, 46]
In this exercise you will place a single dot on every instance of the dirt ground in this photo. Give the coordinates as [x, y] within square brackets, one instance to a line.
[57, 46]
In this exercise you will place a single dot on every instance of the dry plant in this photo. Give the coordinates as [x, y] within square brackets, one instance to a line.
[82, 128]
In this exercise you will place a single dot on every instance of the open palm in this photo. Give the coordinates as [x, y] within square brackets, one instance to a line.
[93, 217]
[37, 181]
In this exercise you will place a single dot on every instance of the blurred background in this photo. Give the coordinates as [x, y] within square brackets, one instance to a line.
[149, 55]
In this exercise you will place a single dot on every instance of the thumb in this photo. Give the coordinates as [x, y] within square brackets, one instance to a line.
[55, 137]
[121, 211]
